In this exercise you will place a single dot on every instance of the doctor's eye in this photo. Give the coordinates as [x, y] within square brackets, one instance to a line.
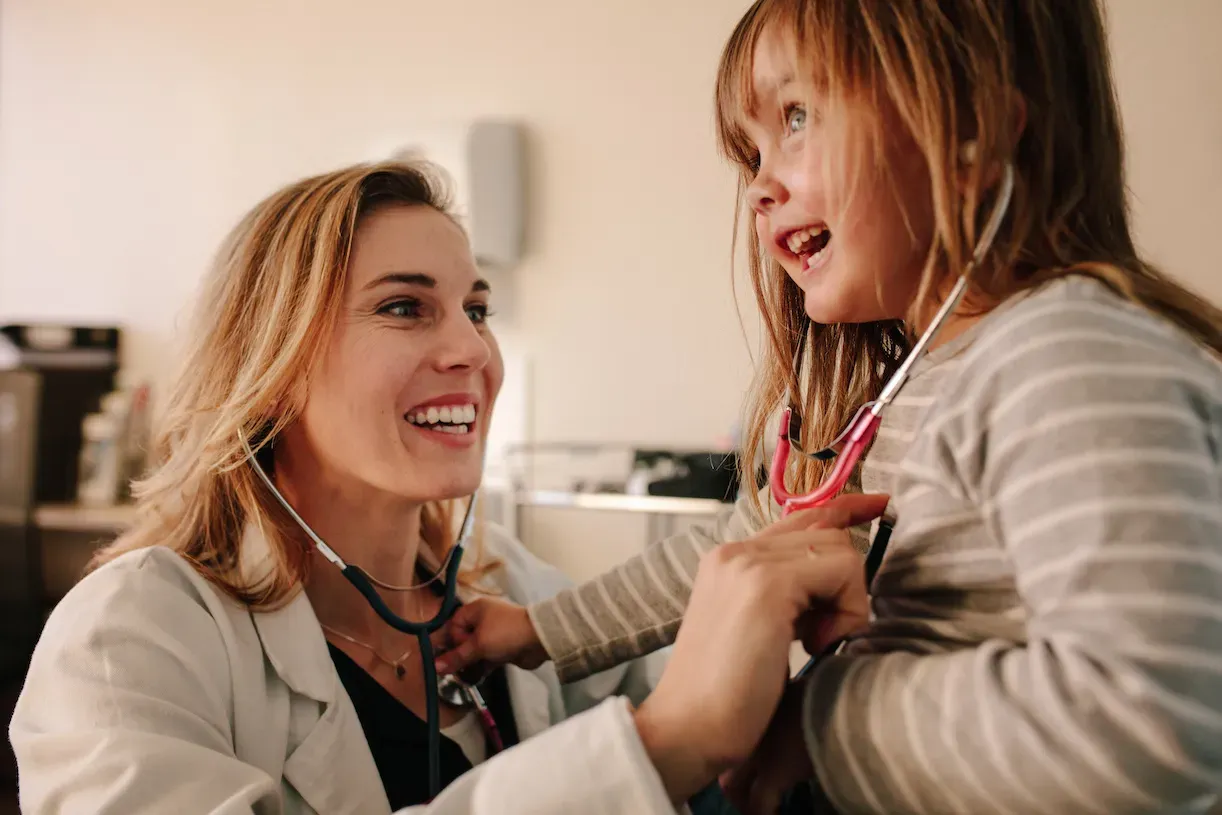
[795, 118]
[478, 313]
[408, 308]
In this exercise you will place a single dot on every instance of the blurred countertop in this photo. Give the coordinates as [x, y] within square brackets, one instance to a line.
[78, 517]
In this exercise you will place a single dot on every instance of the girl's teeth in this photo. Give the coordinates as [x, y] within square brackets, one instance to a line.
[799, 239]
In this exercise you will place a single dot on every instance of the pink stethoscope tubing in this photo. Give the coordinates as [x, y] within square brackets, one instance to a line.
[851, 444]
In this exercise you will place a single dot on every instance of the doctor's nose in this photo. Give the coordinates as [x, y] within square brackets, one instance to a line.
[461, 346]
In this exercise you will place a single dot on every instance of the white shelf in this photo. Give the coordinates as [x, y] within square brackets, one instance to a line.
[614, 502]
[76, 517]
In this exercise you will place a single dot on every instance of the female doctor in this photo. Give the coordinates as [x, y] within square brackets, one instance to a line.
[213, 661]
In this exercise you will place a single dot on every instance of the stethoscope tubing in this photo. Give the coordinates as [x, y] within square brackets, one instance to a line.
[421, 630]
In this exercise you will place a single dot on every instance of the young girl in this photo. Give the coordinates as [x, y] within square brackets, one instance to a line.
[1047, 618]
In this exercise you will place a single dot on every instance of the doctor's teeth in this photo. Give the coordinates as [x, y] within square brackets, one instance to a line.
[450, 416]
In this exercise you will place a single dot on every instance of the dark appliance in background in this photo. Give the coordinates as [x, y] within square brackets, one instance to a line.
[75, 368]
[51, 376]
[695, 475]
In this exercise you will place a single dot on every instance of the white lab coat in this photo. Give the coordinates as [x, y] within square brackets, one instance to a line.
[152, 692]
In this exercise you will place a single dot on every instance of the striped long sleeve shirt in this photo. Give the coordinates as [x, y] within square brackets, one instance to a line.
[1047, 632]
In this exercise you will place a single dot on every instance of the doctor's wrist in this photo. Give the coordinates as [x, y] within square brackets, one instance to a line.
[683, 768]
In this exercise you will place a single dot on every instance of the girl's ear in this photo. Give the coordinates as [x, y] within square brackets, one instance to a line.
[969, 150]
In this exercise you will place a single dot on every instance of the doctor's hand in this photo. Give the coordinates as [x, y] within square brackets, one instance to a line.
[730, 662]
[491, 631]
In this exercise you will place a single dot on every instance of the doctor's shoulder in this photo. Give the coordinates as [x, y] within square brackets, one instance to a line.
[146, 619]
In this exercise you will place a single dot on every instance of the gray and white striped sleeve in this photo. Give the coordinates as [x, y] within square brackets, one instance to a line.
[1088, 439]
[636, 607]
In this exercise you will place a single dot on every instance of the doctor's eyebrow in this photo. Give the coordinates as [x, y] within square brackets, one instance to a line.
[420, 279]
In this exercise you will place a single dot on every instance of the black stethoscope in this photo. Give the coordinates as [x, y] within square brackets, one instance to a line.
[453, 689]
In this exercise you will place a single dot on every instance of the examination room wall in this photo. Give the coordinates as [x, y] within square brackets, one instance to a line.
[133, 133]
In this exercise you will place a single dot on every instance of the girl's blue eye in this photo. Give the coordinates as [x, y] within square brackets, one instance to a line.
[795, 118]
[478, 313]
[402, 308]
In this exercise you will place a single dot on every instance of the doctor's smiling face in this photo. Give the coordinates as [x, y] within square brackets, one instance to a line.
[400, 400]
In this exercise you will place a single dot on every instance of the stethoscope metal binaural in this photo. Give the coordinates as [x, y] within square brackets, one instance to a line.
[849, 447]
[452, 689]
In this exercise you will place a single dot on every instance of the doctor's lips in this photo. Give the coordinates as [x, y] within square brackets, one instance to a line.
[453, 413]
[807, 243]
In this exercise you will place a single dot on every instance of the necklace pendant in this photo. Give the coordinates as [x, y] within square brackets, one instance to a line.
[399, 670]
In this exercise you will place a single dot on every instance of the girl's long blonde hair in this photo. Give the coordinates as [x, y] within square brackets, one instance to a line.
[266, 313]
[950, 71]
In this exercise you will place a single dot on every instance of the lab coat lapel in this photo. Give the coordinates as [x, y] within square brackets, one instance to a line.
[332, 769]
[530, 694]
[328, 761]
[531, 701]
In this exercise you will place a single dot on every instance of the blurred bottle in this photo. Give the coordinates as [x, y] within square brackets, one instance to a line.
[114, 447]
[101, 462]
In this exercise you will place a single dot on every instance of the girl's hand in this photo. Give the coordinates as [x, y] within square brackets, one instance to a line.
[490, 631]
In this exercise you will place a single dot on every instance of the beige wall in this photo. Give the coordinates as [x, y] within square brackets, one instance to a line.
[1169, 72]
[133, 132]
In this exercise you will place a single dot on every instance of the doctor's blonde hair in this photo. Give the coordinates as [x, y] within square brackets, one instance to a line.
[1030, 82]
[266, 313]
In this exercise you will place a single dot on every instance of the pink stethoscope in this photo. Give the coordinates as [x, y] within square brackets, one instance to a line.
[459, 693]
[848, 447]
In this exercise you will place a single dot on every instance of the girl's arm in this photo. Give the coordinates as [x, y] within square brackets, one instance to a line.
[632, 610]
[635, 608]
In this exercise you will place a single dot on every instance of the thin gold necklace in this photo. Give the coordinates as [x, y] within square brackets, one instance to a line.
[397, 664]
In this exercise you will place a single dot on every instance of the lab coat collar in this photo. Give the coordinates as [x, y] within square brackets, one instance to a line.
[295, 645]
[331, 767]
[292, 637]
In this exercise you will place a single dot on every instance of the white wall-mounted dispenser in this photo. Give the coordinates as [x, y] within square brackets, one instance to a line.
[485, 158]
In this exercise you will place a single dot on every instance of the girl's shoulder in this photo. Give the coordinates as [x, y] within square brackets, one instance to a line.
[1073, 350]
[1079, 323]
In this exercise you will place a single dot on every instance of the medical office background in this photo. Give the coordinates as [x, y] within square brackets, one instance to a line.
[134, 133]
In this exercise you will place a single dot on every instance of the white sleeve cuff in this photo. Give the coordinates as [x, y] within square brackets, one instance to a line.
[594, 763]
